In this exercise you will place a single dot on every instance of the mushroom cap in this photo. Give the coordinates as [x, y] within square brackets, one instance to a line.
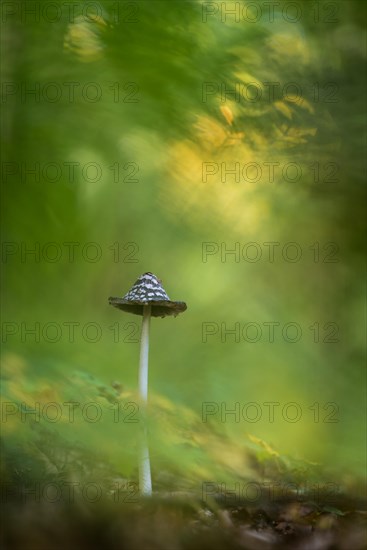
[148, 290]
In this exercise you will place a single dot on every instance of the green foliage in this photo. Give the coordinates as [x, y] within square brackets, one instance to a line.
[164, 59]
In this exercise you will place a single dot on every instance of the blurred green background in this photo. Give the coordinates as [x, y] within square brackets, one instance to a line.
[136, 89]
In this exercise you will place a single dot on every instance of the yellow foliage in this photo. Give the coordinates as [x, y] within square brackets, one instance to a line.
[210, 132]
[284, 109]
[227, 113]
[263, 444]
[286, 46]
[82, 38]
[301, 102]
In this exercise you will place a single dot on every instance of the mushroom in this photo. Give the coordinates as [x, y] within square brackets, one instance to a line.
[148, 298]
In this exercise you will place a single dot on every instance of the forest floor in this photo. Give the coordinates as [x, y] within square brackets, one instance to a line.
[183, 522]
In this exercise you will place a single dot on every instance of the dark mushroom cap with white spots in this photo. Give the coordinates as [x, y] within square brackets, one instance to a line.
[148, 290]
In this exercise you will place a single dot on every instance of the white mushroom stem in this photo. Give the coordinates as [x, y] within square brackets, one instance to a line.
[145, 480]
[144, 355]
